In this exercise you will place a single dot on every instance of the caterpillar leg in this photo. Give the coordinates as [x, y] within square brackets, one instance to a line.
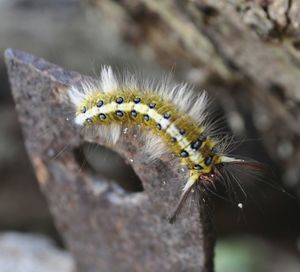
[194, 177]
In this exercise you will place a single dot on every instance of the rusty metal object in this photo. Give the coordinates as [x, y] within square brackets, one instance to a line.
[104, 229]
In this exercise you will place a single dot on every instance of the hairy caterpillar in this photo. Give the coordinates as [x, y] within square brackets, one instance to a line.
[167, 112]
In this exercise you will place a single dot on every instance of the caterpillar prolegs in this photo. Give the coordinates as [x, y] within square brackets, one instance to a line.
[170, 112]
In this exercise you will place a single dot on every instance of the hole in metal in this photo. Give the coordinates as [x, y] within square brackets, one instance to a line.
[109, 165]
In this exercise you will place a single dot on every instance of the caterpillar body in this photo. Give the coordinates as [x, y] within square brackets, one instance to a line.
[172, 114]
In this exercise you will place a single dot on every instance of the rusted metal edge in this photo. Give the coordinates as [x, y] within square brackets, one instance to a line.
[104, 228]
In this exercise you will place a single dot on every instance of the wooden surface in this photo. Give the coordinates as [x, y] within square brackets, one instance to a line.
[105, 228]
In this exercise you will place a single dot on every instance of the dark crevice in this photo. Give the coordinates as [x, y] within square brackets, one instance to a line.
[296, 44]
[278, 91]
[108, 165]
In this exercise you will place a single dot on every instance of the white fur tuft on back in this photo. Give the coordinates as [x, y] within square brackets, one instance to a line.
[108, 82]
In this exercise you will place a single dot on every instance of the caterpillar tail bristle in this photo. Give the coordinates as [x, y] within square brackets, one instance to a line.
[254, 165]
[194, 177]
[226, 159]
[179, 206]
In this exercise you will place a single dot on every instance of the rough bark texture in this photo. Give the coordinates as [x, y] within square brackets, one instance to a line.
[247, 52]
[105, 228]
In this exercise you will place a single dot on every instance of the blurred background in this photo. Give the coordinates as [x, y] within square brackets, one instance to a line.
[260, 107]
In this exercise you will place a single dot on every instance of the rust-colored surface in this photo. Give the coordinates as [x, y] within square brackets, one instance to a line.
[104, 228]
